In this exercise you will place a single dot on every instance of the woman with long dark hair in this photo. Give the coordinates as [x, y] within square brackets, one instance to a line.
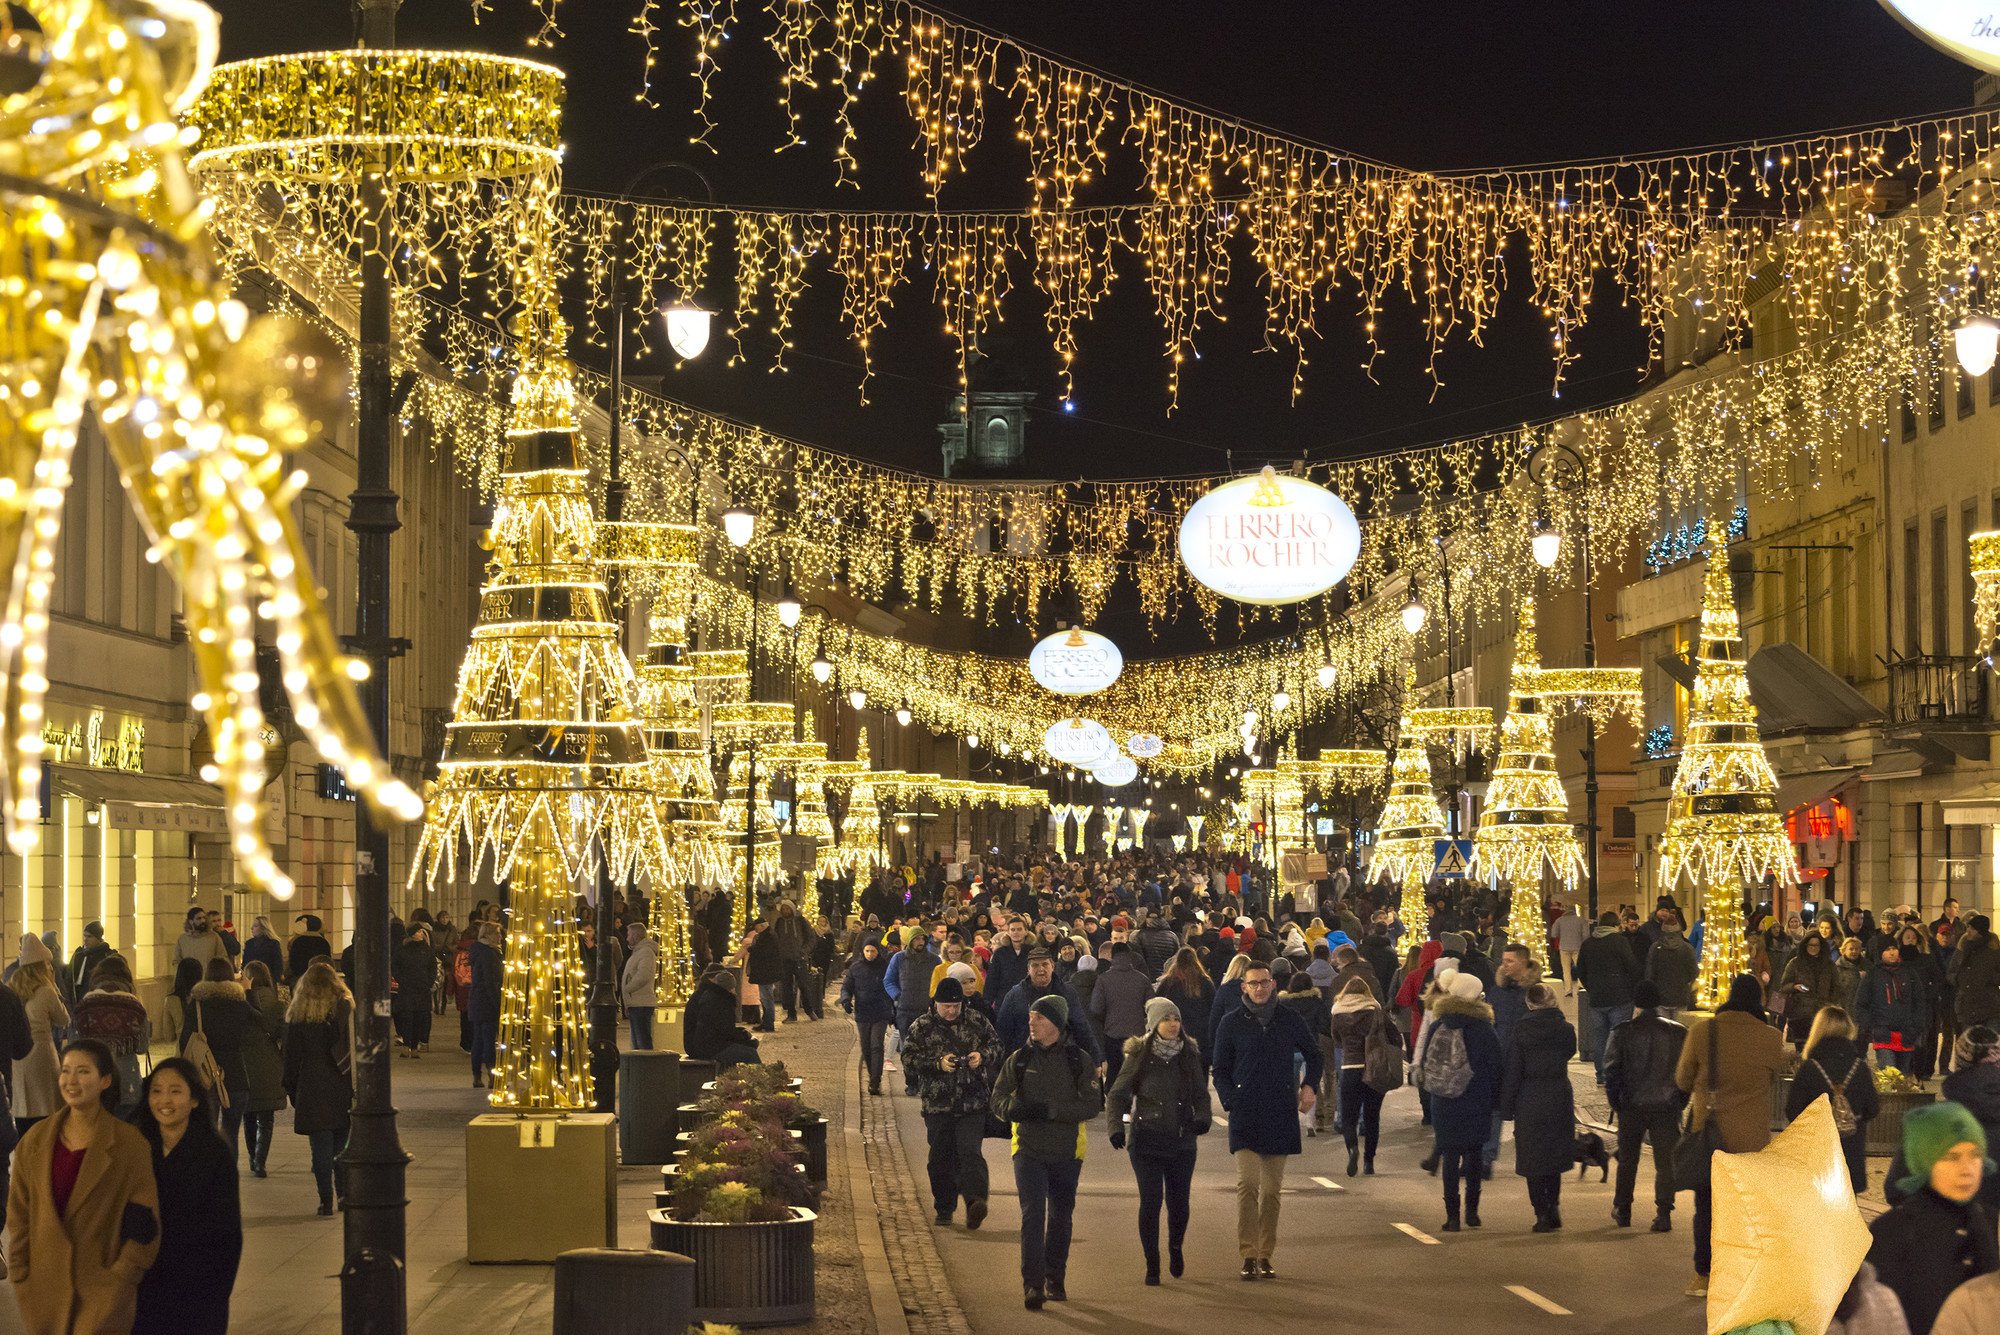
[1187, 984]
[78, 1242]
[186, 1291]
[1156, 1108]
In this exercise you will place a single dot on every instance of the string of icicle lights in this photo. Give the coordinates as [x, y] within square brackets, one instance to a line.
[1316, 224]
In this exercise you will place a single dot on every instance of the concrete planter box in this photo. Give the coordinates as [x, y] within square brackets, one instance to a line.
[1885, 1130]
[745, 1274]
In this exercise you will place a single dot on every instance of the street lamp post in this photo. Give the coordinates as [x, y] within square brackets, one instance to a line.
[604, 994]
[372, 1284]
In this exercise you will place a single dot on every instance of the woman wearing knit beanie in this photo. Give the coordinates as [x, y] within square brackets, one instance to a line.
[1156, 1108]
[1940, 1236]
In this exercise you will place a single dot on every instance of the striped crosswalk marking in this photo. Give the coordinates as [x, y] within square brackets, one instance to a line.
[1528, 1295]
[1329, 1184]
[1416, 1233]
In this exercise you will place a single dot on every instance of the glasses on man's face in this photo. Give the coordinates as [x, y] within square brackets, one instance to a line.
[1260, 982]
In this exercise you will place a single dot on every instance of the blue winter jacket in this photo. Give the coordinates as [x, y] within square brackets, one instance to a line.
[1013, 1018]
[1463, 1122]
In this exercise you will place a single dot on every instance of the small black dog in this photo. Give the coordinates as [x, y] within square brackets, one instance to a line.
[1590, 1153]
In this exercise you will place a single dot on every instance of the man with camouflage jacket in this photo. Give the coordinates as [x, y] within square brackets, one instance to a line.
[955, 1053]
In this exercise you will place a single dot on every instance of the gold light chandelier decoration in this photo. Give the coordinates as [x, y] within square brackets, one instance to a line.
[1524, 829]
[1411, 821]
[109, 305]
[1724, 829]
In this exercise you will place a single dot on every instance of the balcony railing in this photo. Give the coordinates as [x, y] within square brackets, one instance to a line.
[1938, 689]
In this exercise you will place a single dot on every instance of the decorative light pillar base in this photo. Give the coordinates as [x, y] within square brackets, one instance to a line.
[539, 1185]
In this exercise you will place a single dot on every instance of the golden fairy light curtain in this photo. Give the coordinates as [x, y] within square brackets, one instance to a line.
[1319, 224]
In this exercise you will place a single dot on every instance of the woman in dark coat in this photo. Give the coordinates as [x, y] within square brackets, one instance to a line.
[863, 996]
[220, 1010]
[1810, 981]
[483, 1006]
[1461, 1121]
[1353, 1016]
[186, 1289]
[416, 975]
[1833, 1060]
[1535, 1095]
[1188, 986]
[317, 1058]
[1156, 1108]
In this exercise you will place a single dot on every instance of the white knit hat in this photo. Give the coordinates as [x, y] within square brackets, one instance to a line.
[1467, 987]
[962, 971]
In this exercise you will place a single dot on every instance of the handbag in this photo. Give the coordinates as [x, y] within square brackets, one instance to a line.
[202, 1056]
[1694, 1153]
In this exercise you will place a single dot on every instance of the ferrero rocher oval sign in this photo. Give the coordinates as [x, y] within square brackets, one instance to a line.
[1965, 31]
[1075, 662]
[1117, 773]
[1269, 539]
[1079, 741]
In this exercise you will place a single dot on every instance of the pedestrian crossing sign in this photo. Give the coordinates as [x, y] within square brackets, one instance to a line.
[1453, 856]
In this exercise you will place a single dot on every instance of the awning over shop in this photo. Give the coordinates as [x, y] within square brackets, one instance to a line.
[1805, 790]
[1980, 806]
[1899, 765]
[144, 801]
[1794, 690]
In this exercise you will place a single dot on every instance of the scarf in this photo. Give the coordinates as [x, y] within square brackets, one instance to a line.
[1262, 1014]
[1168, 1049]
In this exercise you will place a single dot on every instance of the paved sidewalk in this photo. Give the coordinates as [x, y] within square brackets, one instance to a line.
[289, 1280]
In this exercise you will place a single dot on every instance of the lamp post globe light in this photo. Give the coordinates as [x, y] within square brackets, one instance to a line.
[1977, 342]
[739, 525]
[822, 670]
[1413, 615]
[1548, 540]
[858, 698]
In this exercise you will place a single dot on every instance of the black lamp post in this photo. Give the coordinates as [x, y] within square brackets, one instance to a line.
[691, 322]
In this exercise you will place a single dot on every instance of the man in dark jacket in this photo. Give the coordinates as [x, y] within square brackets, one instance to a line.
[1640, 1057]
[1009, 964]
[1380, 953]
[1348, 965]
[1157, 945]
[909, 982]
[1975, 973]
[1118, 1003]
[795, 940]
[709, 1028]
[955, 1053]
[1012, 1021]
[1048, 1089]
[1255, 1079]
[306, 947]
[1508, 995]
[1609, 972]
[1671, 963]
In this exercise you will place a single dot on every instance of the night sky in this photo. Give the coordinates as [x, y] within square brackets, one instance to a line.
[1443, 85]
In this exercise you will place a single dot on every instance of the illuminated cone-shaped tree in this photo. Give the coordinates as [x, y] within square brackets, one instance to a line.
[1411, 823]
[1525, 828]
[661, 560]
[805, 761]
[749, 826]
[544, 767]
[1724, 830]
[859, 846]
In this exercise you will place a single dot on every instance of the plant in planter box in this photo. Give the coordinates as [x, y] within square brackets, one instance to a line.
[741, 1165]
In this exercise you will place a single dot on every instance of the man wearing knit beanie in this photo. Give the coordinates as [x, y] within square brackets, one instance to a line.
[1047, 1089]
[954, 1053]
[1940, 1236]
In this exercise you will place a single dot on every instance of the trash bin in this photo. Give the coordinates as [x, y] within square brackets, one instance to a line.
[632, 1292]
[649, 1085]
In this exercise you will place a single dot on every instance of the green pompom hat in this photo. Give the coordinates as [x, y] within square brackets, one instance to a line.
[1928, 1135]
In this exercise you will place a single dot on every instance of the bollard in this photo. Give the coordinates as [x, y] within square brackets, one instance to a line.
[649, 1086]
[603, 1289]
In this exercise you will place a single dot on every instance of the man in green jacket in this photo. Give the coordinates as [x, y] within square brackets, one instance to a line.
[1049, 1090]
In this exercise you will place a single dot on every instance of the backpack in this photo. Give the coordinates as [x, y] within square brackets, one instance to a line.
[461, 971]
[1844, 1120]
[1382, 1066]
[202, 1057]
[1447, 1068]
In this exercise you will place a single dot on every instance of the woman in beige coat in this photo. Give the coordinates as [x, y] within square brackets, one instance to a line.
[83, 1214]
[34, 982]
